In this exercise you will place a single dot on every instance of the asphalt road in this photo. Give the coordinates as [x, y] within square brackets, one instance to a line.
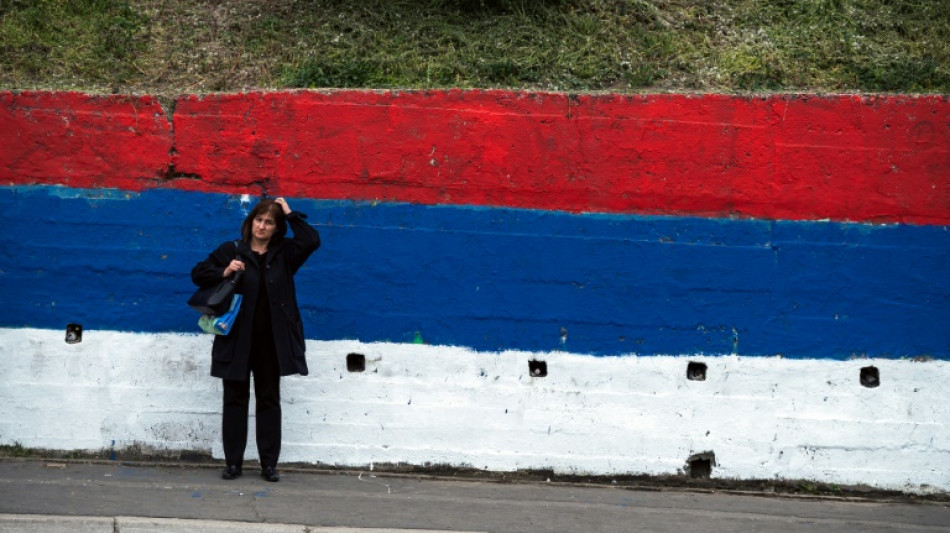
[129, 497]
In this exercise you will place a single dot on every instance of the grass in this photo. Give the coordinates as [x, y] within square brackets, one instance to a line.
[175, 46]
[15, 450]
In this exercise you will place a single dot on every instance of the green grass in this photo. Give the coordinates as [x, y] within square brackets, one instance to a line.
[93, 42]
[15, 450]
[175, 46]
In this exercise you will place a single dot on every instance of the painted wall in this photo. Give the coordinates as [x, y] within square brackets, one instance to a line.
[786, 242]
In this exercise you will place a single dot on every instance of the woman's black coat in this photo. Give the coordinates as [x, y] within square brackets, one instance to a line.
[231, 353]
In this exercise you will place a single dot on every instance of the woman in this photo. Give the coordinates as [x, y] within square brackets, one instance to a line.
[267, 337]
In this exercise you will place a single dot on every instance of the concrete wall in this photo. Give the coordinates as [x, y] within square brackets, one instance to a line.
[786, 242]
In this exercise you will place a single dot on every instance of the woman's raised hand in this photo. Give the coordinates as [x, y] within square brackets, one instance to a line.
[283, 204]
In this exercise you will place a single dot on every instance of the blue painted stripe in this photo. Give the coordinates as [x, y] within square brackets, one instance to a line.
[495, 279]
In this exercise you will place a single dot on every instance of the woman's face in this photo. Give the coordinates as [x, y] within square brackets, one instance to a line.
[263, 227]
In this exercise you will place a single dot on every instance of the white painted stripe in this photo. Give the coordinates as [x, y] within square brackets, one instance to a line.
[763, 418]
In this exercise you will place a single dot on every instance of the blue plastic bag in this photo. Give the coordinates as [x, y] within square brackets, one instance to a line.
[221, 325]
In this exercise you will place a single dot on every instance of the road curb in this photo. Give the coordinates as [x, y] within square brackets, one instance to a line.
[31, 523]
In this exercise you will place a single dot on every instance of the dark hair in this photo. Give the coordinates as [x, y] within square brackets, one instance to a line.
[265, 206]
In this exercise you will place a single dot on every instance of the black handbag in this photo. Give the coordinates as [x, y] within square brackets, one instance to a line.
[215, 300]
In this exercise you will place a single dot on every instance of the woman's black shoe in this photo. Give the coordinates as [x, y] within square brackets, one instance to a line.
[231, 472]
[269, 473]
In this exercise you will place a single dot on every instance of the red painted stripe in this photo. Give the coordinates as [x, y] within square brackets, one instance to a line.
[83, 140]
[861, 158]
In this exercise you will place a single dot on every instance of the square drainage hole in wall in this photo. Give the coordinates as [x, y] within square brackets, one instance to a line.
[355, 362]
[696, 371]
[700, 465]
[537, 369]
[73, 333]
